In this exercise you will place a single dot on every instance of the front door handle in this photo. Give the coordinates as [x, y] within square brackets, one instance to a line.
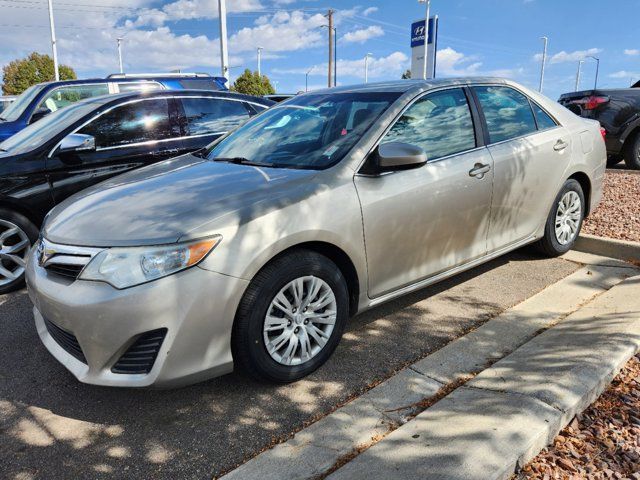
[560, 145]
[167, 151]
[479, 169]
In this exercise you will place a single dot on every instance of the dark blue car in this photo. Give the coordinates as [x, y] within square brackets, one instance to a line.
[40, 100]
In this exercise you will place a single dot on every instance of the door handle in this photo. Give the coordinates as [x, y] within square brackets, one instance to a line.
[167, 151]
[479, 170]
[560, 145]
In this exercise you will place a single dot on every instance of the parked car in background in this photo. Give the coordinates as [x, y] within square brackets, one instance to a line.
[95, 139]
[5, 101]
[256, 251]
[42, 99]
[618, 111]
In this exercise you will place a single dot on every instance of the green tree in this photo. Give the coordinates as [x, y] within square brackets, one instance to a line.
[250, 83]
[406, 75]
[36, 68]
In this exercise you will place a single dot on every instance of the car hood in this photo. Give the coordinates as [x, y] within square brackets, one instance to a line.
[164, 202]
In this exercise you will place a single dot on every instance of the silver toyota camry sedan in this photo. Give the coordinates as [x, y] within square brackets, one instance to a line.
[254, 252]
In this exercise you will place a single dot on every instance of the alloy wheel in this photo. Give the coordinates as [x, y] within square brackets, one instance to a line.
[300, 320]
[568, 216]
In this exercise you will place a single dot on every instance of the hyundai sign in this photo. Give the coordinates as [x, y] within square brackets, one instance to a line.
[417, 32]
[417, 48]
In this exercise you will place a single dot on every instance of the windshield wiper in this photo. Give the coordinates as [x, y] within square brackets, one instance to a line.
[242, 161]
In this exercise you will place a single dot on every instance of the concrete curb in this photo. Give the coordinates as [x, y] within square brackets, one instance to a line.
[608, 247]
[502, 418]
[326, 444]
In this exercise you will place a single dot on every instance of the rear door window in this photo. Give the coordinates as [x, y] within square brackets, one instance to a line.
[543, 118]
[440, 123]
[63, 96]
[137, 122]
[205, 116]
[138, 86]
[507, 112]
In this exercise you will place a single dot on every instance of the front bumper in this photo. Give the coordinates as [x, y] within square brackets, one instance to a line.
[196, 306]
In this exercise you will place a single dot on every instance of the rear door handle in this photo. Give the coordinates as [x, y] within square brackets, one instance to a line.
[167, 151]
[479, 170]
[560, 145]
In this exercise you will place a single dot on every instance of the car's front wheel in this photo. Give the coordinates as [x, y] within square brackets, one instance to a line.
[564, 221]
[632, 152]
[291, 317]
[17, 234]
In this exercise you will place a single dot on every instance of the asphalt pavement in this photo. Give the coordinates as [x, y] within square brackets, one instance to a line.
[51, 426]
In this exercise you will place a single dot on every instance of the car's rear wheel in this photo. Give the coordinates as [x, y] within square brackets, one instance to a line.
[17, 234]
[564, 221]
[632, 152]
[291, 317]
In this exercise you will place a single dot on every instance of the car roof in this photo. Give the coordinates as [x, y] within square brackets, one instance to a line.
[403, 86]
[133, 79]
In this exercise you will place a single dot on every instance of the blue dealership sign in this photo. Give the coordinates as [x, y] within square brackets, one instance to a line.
[417, 32]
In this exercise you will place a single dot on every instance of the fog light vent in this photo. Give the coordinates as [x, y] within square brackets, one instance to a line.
[140, 357]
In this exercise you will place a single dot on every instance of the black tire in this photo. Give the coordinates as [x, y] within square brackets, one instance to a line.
[248, 344]
[549, 244]
[632, 152]
[613, 160]
[31, 232]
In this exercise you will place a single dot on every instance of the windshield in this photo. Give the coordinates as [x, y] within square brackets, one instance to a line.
[308, 132]
[44, 130]
[15, 109]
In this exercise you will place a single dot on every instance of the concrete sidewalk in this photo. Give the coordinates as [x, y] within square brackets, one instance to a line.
[485, 428]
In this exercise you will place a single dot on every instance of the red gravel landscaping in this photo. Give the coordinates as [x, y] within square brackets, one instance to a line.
[601, 443]
[618, 216]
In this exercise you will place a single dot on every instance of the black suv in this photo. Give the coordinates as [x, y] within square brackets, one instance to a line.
[618, 111]
[94, 139]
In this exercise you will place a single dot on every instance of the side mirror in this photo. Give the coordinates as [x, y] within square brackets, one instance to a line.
[399, 156]
[41, 112]
[77, 142]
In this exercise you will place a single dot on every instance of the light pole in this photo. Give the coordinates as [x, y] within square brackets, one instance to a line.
[595, 85]
[333, 46]
[426, 37]
[259, 58]
[306, 79]
[224, 52]
[119, 40]
[275, 86]
[366, 67]
[544, 61]
[53, 42]
[578, 74]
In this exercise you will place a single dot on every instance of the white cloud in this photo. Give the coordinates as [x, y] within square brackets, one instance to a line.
[625, 74]
[368, 11]
[563, 57]
[364, 34]
[450, 62]
[632, 51]
[191, 9]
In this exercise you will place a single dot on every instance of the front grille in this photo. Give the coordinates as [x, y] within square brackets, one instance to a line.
[140, 357]
[66, 340]
[70, 271]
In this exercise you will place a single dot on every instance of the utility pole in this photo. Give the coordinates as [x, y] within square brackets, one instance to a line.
[578, 75]
[331, 59]
[366, 67]
[53, 42]
[544, 61]
[224, 53]
[335, 57]
[595, 85]
[426, 37]
[119, 39]
[259, 58]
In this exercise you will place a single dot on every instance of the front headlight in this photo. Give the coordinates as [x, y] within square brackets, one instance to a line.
[129, 266]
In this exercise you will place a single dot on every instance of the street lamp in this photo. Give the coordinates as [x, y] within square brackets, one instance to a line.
[53, 42]
[578, 74]
[275, 86]
[119, 40]
[366, 67]
[306, 79]
[544, 61]
[259, 59]
[597, 70]
[426, 36]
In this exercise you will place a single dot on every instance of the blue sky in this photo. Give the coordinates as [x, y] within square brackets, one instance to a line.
[491, 37]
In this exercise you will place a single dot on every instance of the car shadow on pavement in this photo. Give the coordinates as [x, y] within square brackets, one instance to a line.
[52, 426]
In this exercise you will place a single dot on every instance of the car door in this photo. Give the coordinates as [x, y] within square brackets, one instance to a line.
[205, 119]
[530, 151]
[420, 222]
[127, 136]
